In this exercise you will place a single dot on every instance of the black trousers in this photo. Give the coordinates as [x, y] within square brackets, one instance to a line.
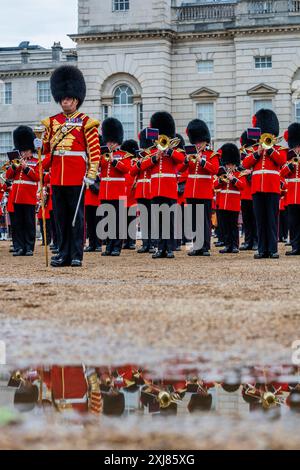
[145, 220]
[230, 225]
[129, 241]
[13, 231]
[294, 225]
[207, 219]
[266, 209]
[53, 229]
[283, 225]
[71, 239]
[220, 230]
[48, 230]
[249, 223]
[55, 220]
[165, 243]
[24, 227]
[115, 244]
[91, 223]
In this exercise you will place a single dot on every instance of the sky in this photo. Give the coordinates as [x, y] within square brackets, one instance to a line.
[37, 21]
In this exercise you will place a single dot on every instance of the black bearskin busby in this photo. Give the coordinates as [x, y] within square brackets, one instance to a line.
[197, 131]
[230, 154]
[144, 142]
[245, 141]
[130, 146]
[200, 403]
[24, 139]
[267, 121]
[26, 397]
[68, 81]
[165, 123]
[113, 403]
[292, 135]
[112, 131]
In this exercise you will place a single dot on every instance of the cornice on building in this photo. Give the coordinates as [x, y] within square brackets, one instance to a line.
[175, 36]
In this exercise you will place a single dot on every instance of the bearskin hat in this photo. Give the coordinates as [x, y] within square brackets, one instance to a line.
[113, 404]
[165, 123]
[68, 81]
[112, 131]
[245, 142]
[24, 139]
[144, 142]
[199, 403]
[292, 135]
[197, 131]
[182, 141]
[26, 397]
[230, 154]
[267, 121]
[131, 146]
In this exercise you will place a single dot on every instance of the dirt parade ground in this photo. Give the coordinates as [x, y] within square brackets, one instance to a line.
[227, 311]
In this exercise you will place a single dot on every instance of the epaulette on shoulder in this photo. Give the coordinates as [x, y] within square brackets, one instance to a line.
[46, 122]
[213, 154]
[91, 123]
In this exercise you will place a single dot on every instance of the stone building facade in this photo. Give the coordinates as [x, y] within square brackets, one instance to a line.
[217, 60]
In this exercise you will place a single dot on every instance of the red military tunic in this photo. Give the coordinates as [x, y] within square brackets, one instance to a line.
[142, 181]
[130, 187]
[2, 192]
[266, 169]
[200, 177]
[73, 148]
[163, 174]
[25, 183]
[230, 193]
[112, 176]
[291, 172]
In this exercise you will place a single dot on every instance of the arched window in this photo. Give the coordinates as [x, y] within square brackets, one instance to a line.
[123, 109]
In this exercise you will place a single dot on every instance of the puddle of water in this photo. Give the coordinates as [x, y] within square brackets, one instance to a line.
[170, 389]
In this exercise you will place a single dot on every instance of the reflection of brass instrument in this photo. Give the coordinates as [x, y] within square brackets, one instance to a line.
[268, 400]
[164, 399]
[268, 141]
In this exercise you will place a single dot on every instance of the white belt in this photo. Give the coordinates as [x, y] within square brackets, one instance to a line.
[266, 172]
[69, 153]
[71, 401]
[229, 191]
[31, 183]
[196, 177]
[112, 179]
[164, 175]
[293, 180]
[144, 181]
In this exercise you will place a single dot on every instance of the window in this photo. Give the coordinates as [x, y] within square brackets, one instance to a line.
[120, 5]
[5, 143]
[6, 93]
[297, 111]
[140, 117]
[205, 66]
[206, 112]
[44, 93]
[105, 112]
[260, 104]
[123, 109]
[263, 62]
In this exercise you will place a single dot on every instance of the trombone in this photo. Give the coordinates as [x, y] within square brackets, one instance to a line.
[163, 143]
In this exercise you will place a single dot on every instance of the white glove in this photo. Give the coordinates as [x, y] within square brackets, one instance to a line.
[38, 144]
[88, 181]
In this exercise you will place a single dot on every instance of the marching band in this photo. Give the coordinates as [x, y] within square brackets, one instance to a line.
[82, 171]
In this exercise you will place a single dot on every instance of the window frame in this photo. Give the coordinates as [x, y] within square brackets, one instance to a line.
[259, 60]
[213, 103]
[254, 111]
[116, 4]
[39, 82]
[201, 72]
[9, 145]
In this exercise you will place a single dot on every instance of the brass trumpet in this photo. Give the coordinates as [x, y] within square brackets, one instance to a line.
[16, 163]
[268, 141]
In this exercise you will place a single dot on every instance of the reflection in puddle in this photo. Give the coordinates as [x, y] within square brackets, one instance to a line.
[131, 389]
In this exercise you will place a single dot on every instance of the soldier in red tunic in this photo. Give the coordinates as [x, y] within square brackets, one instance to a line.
[114, 165]
[199, 187]
[163, 164]
[25, 184]
[72, 140]
[249, 222]
[266, 164]
[291, 171]
[231, 186]
[142, 183]
[132, 149]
